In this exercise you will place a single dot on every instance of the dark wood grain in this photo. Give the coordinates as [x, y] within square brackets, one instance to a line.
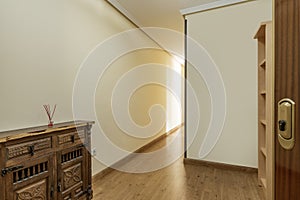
[287, 52]
[35, 161]
[2, 152]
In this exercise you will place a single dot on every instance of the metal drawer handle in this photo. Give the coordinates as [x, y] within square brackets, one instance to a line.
[51, 192]
[73, 138]
[59, 188]
[31, 149]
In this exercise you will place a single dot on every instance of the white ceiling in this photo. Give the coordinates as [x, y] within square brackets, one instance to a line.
[152, 13]
[165, 13]
[192, 3]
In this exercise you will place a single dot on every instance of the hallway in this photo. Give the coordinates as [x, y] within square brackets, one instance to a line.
[178, 181]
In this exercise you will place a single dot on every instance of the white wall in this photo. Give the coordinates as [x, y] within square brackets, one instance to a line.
[43, 44]
[227, 34]
[175, 105]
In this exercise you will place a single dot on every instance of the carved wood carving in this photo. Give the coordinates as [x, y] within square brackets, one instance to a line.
[72, 176]
[37, 191]
[66, 138]
[21, 149]
[43, 163]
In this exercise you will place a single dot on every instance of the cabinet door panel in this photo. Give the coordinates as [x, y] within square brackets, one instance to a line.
[72, 176]
[32, 181]
[36, 191]
[71, 173]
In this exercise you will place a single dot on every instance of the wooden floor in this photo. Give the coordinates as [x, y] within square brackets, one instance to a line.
[178, 182]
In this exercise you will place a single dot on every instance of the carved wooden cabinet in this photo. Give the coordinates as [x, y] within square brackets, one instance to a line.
[44, 163]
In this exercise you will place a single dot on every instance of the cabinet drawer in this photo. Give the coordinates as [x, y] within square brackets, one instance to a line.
[71, 139]
[28, 148]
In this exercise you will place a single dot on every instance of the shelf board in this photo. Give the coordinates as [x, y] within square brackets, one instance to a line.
[264, 182]
[264, 151]
[263, 63]
[263, 92]
[261, 33]
[263, 121]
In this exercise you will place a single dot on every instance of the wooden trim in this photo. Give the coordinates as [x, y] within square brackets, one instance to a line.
[224, 166]
[103, 173]
[150, 144]
[212, 6]
[111, 168]
[272, 189]
[185, 84]
[270, 137]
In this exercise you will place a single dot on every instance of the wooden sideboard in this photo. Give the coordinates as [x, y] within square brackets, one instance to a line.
[42, 163]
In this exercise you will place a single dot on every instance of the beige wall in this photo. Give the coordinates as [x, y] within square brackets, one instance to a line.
[43, 44]
[227, 34]
[140, 103]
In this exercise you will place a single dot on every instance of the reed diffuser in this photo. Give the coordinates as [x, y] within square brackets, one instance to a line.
[50, 114]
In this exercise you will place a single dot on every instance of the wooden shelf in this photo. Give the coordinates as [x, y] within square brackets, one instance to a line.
[265, 109]
[264, 151]
[263, 63]
[263, 92]
[263, 122]
[263, 182]
[261, 31]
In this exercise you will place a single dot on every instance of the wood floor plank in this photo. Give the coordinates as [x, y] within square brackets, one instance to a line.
[178, 182]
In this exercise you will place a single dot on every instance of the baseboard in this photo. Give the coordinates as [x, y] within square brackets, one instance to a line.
[147, 146]
[111, 168]
[103, 173]
[224, 166]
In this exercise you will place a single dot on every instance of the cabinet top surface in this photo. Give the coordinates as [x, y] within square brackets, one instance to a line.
[40, 130]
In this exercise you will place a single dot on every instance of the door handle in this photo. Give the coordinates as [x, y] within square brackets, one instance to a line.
[286, 123]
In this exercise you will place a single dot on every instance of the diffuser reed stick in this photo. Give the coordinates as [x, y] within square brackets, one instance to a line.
[49, 113]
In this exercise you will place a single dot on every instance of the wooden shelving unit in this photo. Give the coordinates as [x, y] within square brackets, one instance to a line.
[265, 109]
